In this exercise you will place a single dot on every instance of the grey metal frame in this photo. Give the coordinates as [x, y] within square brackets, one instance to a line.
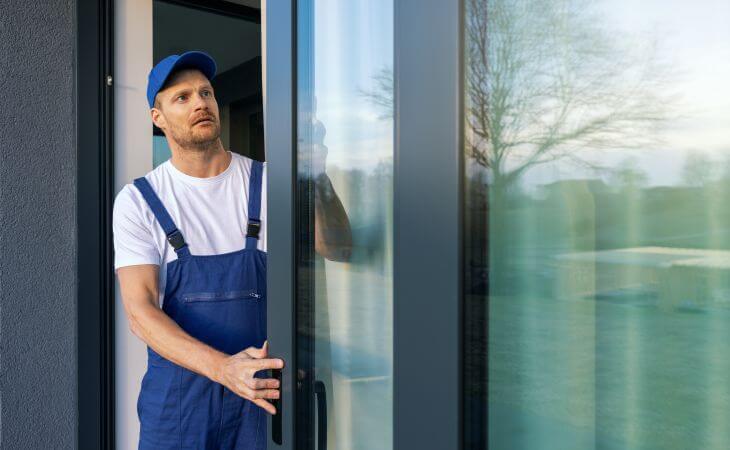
[94, 189]
[279, 135]
[427, 217]
[427, 220]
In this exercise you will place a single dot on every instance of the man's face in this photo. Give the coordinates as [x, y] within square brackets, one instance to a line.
[186, 110]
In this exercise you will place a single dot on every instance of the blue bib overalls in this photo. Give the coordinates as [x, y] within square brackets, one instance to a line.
[221, 301]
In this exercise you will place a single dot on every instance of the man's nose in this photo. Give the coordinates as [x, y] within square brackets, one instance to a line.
[199, 102]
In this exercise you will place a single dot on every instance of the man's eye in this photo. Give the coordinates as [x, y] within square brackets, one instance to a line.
[180, 97]
[207, 93]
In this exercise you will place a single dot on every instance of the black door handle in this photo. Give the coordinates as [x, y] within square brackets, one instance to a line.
[276, 420]
[321, 394]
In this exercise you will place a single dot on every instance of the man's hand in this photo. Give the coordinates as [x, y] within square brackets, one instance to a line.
[237, 374]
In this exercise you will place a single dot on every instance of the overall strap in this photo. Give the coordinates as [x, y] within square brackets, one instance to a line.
[254, 205]
[174, 236]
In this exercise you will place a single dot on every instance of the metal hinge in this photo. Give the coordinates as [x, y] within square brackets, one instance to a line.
[108, 80]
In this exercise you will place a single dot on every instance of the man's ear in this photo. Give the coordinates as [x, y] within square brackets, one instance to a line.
[158, 118]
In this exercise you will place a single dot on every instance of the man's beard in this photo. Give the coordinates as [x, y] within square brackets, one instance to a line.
[202, 138]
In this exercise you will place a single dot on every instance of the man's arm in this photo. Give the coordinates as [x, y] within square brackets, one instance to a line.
[332, 233]
[139, 290]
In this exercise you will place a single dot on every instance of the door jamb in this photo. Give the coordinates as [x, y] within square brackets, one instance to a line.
[94, 193]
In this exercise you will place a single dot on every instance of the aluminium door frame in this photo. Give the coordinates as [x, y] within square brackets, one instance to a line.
[428, 169]
[94, 199]
[427, 214]
[278, 59]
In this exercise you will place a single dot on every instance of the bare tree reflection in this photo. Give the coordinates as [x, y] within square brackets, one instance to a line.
[546, 82]
[546, 79]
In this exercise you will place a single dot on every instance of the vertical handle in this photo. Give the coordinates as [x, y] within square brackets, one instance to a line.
[321, 394]
[276, 421]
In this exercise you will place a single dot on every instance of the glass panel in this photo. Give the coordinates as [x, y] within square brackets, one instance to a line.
[344, 272]
[597, 231]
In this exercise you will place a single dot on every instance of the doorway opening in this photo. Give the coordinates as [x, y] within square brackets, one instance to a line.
[146, 31]
[231, 33]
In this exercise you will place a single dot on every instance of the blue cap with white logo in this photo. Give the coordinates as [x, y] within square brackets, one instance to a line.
[160, 73]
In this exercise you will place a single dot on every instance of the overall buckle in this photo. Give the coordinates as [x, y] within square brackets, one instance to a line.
[254, 226]
[176, 240]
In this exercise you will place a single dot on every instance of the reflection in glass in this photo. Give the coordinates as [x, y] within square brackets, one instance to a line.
[597, 235]
[344, 270]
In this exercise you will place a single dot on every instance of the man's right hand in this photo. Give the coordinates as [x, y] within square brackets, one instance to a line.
[237, 374]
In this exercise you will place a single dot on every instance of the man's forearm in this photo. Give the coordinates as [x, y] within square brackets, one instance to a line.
[165, 337]
[333, 237]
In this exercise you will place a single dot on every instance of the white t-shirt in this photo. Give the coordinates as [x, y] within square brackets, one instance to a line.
[211, 213]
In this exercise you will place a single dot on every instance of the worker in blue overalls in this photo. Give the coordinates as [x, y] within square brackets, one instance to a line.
[190, 255]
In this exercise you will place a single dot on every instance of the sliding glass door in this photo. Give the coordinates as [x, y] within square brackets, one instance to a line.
[344, 266]
[597, 254]
[363, 281]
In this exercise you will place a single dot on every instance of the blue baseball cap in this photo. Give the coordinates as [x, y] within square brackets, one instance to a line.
[161, 72]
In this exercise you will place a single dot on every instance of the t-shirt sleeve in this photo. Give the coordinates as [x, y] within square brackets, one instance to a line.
[133, 240]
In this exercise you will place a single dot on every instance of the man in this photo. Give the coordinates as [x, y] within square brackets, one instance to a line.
[190, 242]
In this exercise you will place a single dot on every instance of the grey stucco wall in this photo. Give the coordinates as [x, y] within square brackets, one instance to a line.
[37, 225]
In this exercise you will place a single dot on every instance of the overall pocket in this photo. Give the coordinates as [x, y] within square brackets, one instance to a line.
[194, 297]
[229, 321]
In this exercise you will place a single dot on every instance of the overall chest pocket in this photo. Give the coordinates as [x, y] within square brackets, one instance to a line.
[222, 296]
[227, 320]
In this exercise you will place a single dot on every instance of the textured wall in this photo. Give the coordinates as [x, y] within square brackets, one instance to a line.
[37, 225]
